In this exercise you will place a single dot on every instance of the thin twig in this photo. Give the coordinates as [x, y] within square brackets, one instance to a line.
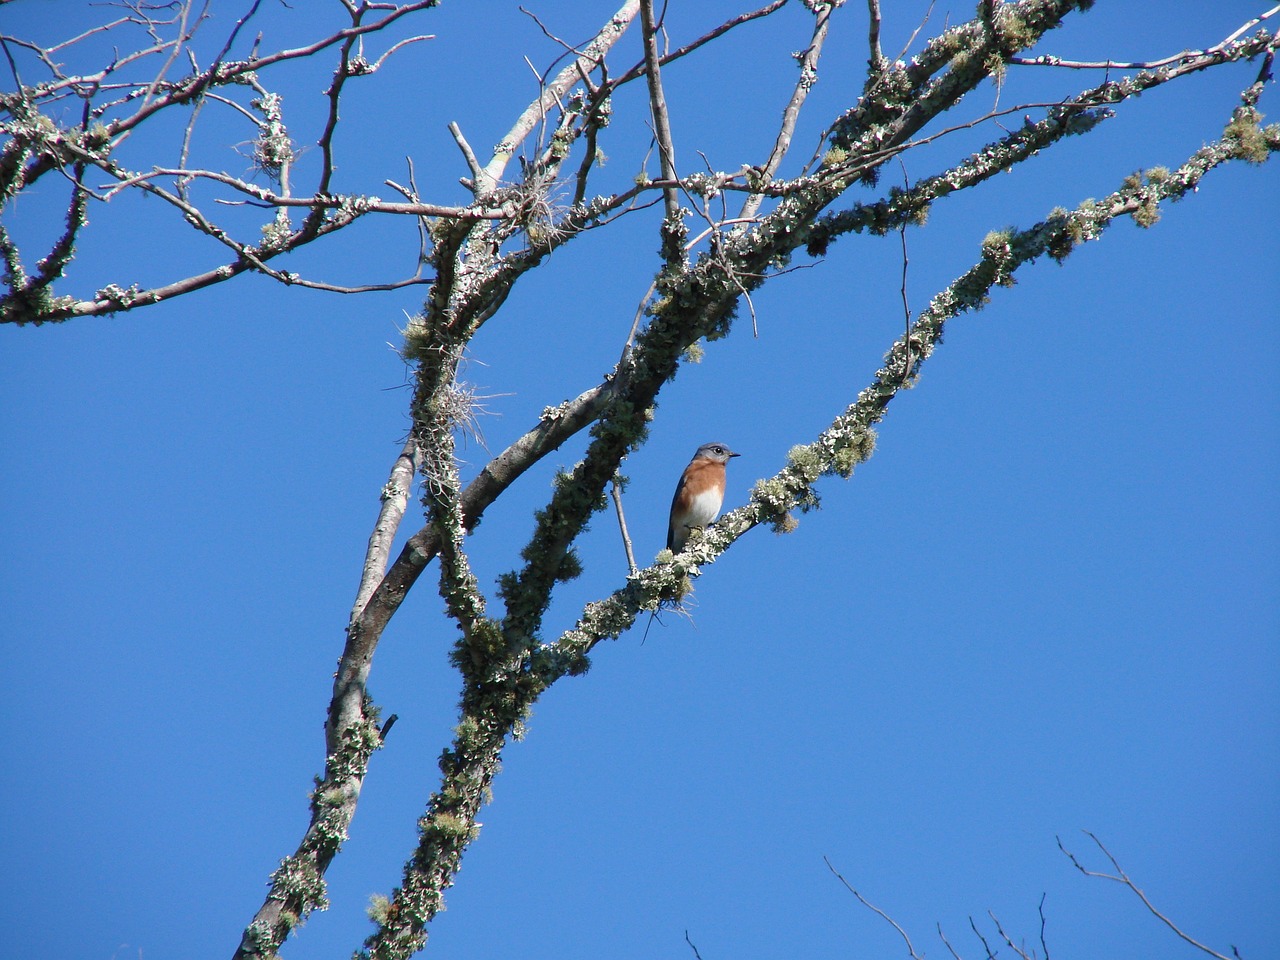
[184, 36]
[872, 907]
[1121, 877]
[1044, 944]
[902, 54]
[978, 933]
[1251, 24]
[1006, 938]
[326, 202]
[334, 93]
[906, 260]
[411, 194]
[947, 943]
[791, 114]
[640, 68]
[593, 118]
[1045, 60]
[374, 67]
[477, 171]
[615, 490]
[591, 56]
[568, 47]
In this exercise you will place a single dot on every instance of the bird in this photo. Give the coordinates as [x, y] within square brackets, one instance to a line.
[699, 493]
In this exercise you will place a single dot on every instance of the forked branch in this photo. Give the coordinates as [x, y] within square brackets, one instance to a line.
[1123, 878]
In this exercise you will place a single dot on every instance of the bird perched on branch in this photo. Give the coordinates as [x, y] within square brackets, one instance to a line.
[699, 493]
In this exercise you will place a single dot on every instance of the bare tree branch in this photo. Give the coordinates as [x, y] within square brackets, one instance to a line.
[592, 54]
[1046, 60]
[875, 62]
[790, 115]
[615, 491]
[395, 497]
[1122, 878]
[1076, 116]
[911, 951]
[658, 110]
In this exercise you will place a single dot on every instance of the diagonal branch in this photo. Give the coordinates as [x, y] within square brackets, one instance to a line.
[351, 725]
[395, 497]
[705, 306]
[1046, 60]
[790, 115]
[1075, 116]
[528, 121]
[1122, 878]
[911, 950]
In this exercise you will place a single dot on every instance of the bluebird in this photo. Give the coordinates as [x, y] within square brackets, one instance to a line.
[699, 493]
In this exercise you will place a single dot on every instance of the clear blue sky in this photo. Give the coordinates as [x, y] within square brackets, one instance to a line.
[1048, 604]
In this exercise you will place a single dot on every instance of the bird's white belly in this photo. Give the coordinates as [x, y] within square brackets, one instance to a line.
[704, 508]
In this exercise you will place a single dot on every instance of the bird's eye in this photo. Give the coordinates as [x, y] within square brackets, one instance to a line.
[717, 449]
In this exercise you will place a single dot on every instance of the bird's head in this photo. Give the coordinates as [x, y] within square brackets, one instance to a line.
[715, 451]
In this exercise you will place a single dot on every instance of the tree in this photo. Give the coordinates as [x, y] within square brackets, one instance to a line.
[919, 130]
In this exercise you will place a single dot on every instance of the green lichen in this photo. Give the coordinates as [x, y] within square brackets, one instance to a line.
[995, 245]
[806, 461]
[1245, 137]
[835, 156]
[298, 880]
[379, 909]
[1148, 212]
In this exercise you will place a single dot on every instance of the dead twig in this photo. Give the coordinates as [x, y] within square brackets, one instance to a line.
[1122, 878]
[615, 491]
[876, 910]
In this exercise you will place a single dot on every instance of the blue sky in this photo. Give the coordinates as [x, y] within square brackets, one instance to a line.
[1048, 604]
